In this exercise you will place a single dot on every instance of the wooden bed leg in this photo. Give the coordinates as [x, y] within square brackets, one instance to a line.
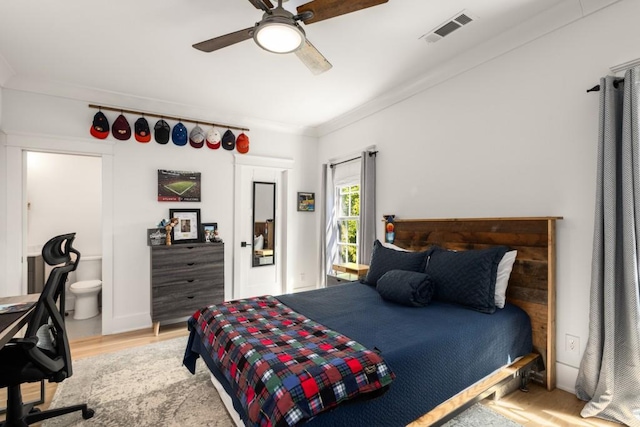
[156, 328]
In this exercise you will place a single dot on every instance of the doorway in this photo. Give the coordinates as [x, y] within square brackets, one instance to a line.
[63, 193]
[260, 270]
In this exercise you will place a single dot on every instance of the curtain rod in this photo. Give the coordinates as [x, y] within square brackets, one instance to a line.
[164, 116]
[616, 82]
[371, 153]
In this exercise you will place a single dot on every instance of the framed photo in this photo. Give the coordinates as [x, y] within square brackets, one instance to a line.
[188, 228]
[208, 231]
[178, 186]
[306, 202]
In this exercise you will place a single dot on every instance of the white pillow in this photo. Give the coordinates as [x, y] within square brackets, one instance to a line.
[258, 243]
[502, 277]
[394, 247]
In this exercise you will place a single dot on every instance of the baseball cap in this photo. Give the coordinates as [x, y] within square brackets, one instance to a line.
[179, 134]
[142, 133]
[213, 139]
[228, 140]
[162, 131]
[100, 126]
[121, 129]
[196, 137]
[242, 143]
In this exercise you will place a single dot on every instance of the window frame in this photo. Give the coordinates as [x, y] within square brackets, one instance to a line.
[345, 218]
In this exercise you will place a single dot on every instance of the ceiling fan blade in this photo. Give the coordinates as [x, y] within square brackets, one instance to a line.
[265, 5]
[224, 41]
[312, 58]
[325, 9]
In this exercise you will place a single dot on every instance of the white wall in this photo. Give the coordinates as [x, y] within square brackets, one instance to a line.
[54, 123]
[64, 195]
[516, 136]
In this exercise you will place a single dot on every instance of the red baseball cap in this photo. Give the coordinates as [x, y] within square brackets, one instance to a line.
[242, 143]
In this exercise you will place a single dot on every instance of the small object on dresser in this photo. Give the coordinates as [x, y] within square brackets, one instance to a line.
[168, 228]
[156, 236]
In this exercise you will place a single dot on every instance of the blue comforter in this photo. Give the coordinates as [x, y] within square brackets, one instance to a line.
[435, 351]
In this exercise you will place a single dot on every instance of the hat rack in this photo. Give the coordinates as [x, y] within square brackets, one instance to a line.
[164, 116]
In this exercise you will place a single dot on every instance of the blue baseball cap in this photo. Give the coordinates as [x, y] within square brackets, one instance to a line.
[179, 134]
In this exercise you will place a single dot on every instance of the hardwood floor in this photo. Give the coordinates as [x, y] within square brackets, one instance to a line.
[538, 407]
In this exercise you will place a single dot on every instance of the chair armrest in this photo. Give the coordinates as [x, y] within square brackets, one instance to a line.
[36, 355]
[44, 361]
[24, 343]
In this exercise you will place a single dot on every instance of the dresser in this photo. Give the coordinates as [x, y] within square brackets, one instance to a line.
[184, 278]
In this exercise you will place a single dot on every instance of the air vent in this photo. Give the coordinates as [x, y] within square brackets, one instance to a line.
[459, 20]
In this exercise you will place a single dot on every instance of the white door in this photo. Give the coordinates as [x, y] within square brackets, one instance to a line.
[262, 274]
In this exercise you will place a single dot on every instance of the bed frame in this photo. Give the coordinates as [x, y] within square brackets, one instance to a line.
[531, 287]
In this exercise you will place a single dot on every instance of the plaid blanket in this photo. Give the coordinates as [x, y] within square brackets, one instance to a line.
[283, 367]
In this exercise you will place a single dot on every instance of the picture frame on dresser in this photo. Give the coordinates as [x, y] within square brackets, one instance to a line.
[188, 229]
[208, 231]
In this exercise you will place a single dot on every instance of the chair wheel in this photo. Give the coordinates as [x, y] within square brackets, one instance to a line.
[35, 410]
[88, 413]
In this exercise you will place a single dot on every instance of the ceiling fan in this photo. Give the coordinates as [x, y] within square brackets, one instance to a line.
[280, 32]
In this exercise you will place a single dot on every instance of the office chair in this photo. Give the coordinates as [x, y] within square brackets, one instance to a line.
[44, 351]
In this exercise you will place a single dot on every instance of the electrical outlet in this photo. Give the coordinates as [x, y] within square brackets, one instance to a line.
[572, 344]
[302, 277]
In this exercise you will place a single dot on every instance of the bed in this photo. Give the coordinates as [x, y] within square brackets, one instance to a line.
[444, 355]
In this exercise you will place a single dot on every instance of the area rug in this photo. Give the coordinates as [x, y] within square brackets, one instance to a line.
[148, 386]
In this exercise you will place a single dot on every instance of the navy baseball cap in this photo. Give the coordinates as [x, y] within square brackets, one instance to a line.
[228, 140]
[179, 134]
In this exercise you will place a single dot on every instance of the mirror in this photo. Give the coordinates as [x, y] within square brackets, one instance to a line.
[264, 227]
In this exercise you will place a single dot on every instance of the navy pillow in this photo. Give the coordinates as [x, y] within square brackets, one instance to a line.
[466, 277]
[386, 259]
[406, 287]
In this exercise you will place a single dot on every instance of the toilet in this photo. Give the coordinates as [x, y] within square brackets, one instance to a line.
[87, 287]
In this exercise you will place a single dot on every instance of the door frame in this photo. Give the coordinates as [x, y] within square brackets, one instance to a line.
[283, 167]
[16, 236]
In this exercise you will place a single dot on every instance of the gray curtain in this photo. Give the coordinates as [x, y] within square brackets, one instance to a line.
[329, 235]
[367, 230]
[609, 376]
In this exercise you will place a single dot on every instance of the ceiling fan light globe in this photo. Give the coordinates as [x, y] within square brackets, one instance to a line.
[278, 37]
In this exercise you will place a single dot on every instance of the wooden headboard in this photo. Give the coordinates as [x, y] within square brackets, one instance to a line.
[532, 281]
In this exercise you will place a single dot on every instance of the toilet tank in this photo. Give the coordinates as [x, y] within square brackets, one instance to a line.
[90, 268]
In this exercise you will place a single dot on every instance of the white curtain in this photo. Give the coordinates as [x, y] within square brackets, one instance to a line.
[609, 375]
[329, 236]
[367, 232]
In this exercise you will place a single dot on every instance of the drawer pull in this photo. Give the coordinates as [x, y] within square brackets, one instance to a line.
[191, 281]
[191, 297]
[191, 263]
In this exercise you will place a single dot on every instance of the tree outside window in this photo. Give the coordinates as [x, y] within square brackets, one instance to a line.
[348, 221]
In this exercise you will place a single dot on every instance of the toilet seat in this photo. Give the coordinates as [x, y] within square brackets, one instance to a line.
[86, 284]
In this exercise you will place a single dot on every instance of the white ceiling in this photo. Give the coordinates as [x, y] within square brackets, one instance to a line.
[142, 48]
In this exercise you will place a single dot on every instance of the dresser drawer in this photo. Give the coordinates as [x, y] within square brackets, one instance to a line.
[180, 300]
[187, 272]
[167, 259]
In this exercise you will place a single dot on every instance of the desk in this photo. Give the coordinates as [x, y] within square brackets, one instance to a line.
[359, 270]
[9, 331]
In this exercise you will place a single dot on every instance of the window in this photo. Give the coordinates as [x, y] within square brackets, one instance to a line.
[348, 222]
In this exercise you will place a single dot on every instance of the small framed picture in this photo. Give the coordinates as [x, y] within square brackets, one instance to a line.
[156, 236]
[306, 202]
[209, 231]
[188, 228]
